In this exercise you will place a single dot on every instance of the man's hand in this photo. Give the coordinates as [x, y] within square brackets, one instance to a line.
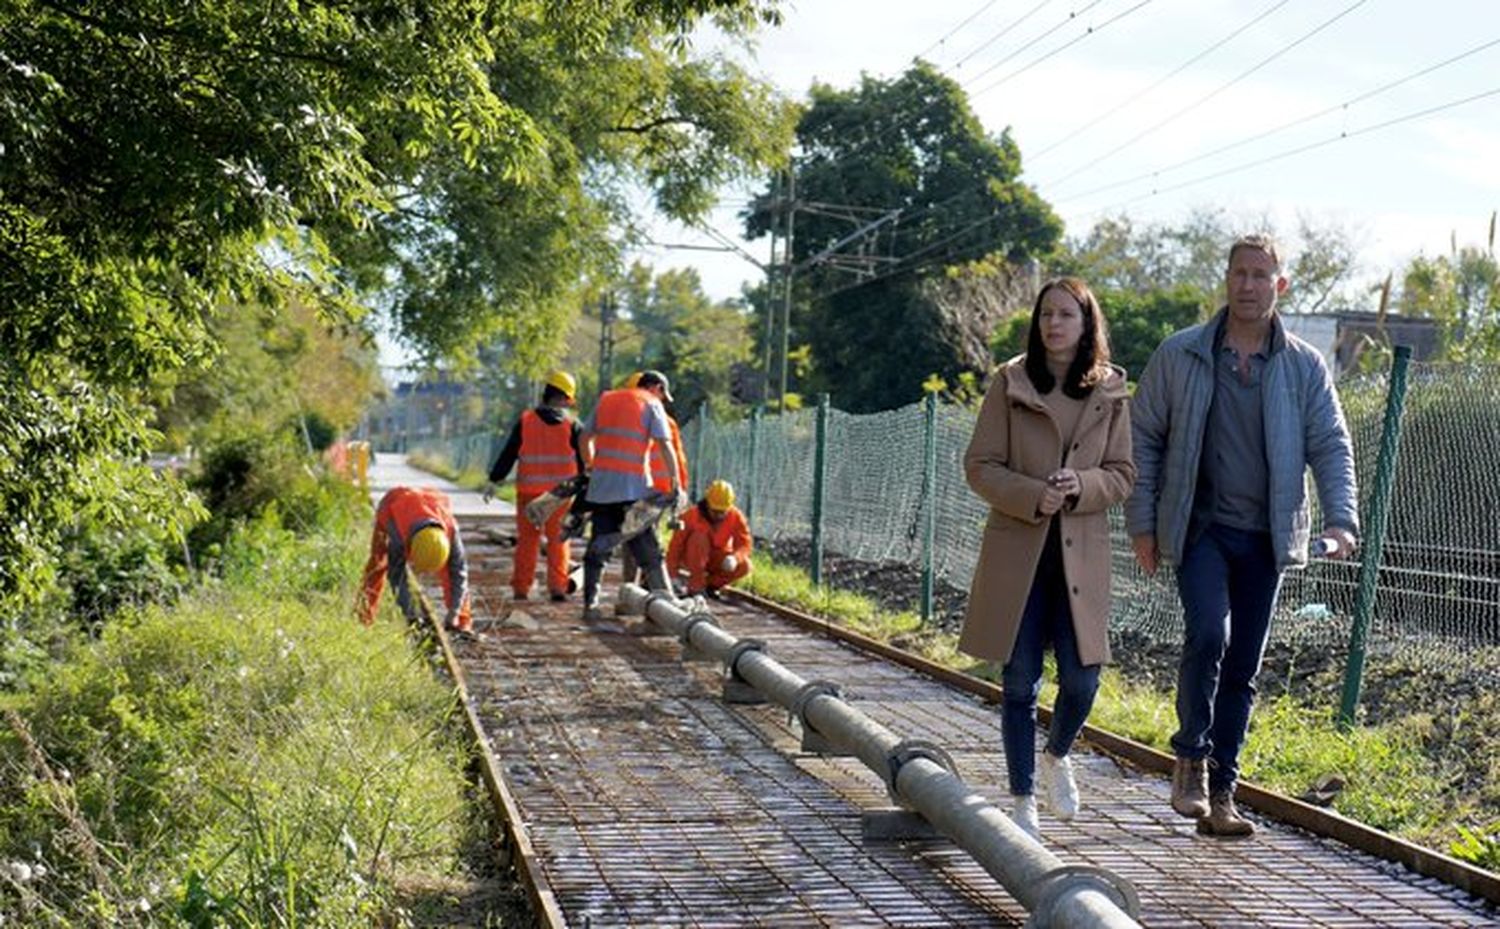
[1341, 541]
[489, 492]
[1146, 553]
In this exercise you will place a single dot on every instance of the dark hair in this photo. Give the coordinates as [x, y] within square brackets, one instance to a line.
[1089, 363]
[551, 396]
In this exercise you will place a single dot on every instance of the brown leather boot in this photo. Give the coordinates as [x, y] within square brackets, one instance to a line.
[1190, 787]
[1223, 820]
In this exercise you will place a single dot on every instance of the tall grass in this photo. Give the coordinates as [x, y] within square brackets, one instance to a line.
[250, 757]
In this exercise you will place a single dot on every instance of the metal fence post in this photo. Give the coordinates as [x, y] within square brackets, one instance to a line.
[752, 480]
[696, 475]
[929, 501]
[1374, 534]
[820, 463]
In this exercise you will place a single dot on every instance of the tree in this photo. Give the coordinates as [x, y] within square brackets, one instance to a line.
[1138, 322]
[670, 324]
[913, 145]
[1461, 290]
[456, 160]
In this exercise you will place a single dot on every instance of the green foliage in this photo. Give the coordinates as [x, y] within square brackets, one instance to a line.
[1460, 290]
[241, 760]
[1478, 846]
[1138, 322]
[166, 165]
[908, 143]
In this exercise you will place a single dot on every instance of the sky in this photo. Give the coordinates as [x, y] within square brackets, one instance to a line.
[1120, 106]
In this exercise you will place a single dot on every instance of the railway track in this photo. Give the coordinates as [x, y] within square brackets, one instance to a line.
[634, 794]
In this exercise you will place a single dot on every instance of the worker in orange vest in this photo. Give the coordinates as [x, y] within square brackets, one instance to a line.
[661, 481]
[621, 431]
[543, 448]
[713, 545]
[415, 526]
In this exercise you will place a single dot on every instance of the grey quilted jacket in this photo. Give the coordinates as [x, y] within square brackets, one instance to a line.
[1304, 428]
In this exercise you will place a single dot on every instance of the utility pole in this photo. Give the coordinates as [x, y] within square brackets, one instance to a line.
[786, 300]
[606, 341]
[771, 280]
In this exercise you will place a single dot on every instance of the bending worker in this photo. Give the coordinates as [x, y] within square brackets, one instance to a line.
[713, 544]
[543, 448]
[415, 525]
[624, 426]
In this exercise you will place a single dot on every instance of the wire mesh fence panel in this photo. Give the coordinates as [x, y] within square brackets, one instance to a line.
[1438, 595]
[872, 504]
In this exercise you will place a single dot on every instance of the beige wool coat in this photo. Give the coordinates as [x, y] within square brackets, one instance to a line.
[1016, 444]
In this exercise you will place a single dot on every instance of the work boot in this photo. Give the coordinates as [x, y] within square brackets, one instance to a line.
[1190, 787]
[1024, 816]
[1223, 820]
[1062, 790]
[592, 613]
[656, 579]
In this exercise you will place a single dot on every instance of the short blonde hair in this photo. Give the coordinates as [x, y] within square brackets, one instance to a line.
[1259, 241]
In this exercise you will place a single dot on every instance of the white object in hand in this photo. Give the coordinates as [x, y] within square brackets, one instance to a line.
[1324, 547]
[729, 564]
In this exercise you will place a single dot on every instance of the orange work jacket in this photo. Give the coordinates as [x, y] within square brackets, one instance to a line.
[730, 537]
[403, 512]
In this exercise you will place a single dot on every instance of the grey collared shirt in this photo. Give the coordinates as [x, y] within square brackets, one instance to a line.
[1233, 476]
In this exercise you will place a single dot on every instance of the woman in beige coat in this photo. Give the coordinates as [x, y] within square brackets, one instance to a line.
[1050, 454]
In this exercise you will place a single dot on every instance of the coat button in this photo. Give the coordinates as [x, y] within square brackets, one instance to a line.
[1075, 446]
[1067, 541]
[1075, 589]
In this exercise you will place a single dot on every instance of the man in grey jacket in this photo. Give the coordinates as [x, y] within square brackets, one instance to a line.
[1228, 417]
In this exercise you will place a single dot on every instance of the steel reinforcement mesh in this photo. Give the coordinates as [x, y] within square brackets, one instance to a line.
[649, 800]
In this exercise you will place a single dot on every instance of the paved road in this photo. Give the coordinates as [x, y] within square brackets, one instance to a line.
[392, 470]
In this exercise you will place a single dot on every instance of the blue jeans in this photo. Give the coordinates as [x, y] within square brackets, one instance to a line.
[1047, 617]
[1228, 582]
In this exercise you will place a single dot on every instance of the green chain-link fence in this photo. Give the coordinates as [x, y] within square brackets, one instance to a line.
[1437, 597]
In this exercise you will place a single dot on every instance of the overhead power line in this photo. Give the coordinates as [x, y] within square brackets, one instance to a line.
[1279, 156]
[999, 35]
[1114, 110]
[1070, 17]
[1091, 31]
[1276, 130]
[950, 33]
[1211, 94]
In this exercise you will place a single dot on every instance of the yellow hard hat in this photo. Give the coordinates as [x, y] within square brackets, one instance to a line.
[633, 381]
[720, 496]
[564, 382]
[427, 552]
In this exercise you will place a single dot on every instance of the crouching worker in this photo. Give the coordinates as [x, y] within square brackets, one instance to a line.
[713, 545]
[415, 526]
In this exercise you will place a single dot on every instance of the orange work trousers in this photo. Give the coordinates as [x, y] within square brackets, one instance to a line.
[701, 561]
[528, 543]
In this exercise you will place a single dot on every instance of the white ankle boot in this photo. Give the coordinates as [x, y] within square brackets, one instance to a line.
[1024, 816]
[1057, 781]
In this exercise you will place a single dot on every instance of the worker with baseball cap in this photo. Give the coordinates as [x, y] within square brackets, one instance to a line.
[415, 526]
[621, 431]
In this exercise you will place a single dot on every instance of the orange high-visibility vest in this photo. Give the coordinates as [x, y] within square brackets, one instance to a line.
[621, 442]
[546, 458]
[661, 478]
